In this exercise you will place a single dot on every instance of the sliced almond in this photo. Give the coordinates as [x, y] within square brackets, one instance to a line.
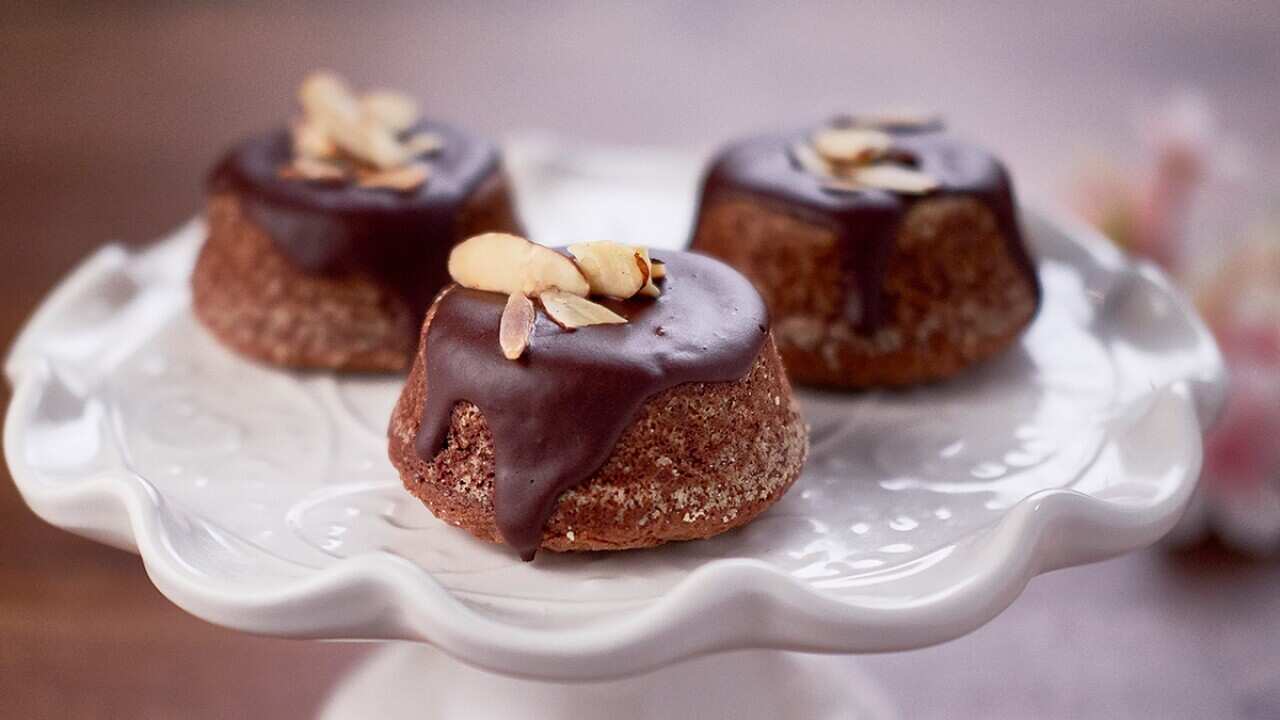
[313, 170]
[810, 161]
[545, 268]
[646, 265]
[517, 324]
[895, 178]
[328, 101]
[493, 261]
[377, 145]
[657, 269]
[571, 311]
[854, 146]
[392, 109]
[423, 143]
[499, 262]
[323, 93]
[311, 141]
[611, 268]
[401, 179]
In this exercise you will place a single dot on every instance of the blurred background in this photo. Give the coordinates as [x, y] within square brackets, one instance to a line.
[1158, 121]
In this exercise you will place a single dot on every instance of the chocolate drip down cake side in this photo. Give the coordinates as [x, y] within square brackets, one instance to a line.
[597, 399]
[327, 242]
[888, 252]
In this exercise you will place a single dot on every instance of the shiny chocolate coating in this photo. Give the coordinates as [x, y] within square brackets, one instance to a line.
[866, 221]
[557, 412]
[400, 240]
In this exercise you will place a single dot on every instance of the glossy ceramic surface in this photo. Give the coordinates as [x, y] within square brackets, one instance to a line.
[263, 500]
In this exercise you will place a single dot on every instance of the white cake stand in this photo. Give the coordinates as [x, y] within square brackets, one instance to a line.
[263, 501]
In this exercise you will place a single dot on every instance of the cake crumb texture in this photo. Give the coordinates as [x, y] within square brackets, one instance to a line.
[699, 459]
[955, 294]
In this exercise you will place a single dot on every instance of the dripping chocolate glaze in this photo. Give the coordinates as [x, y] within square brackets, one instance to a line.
[556, 414]
[866, 222]
[401, 240]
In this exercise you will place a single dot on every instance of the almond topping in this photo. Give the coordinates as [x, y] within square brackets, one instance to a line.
[423, 143]
[328, 102]
[809, 160]
[324, 93]
[611, 268]
[403, 179]
[647, 266]
[392, 109]
[571, 311]
[894, 178]
[499, 262]
[311, 169]
[377, 145]
[362, 132]
[311, 141]
[856, 146]
[517, 324]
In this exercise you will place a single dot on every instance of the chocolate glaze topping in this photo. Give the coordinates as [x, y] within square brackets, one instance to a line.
[866, 222]
[401, 240]
[557, 413]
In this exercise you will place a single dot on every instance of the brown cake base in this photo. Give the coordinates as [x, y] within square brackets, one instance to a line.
[699, 459]
[955, 293]
[256, 301]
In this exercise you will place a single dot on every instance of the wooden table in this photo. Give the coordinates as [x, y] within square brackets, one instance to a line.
[112, 114]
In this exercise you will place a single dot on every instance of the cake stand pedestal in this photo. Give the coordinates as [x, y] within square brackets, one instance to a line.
[262, 500]
[416, 681]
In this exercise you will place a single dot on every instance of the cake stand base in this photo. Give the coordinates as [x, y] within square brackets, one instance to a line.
[408, 680]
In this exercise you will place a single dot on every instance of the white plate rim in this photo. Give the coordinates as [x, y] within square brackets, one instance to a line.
[725, 605]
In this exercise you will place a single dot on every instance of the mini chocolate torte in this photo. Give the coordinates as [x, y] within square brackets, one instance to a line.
[656, 411]
[327, 241]
[888, 252]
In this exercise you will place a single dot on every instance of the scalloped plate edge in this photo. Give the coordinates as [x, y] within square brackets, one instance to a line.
[725, 605]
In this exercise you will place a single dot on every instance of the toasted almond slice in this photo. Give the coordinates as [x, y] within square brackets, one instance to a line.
[895, 178]
[516, 325]
[424, 143]
[311, 141]
[810, 161]
[313, 170]
[493, 261]
[657, 269]
[377, 145]
[642, 259]
[571, 311]
[851, 145]
[394, 110]
[545, 269]
[499, 262]
[611, 268]
[643, 265]
[324, 93]
[402, 179]
[328, 102]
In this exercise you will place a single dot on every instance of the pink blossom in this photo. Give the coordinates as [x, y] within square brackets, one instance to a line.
[1243, 450]
[1242, 306]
